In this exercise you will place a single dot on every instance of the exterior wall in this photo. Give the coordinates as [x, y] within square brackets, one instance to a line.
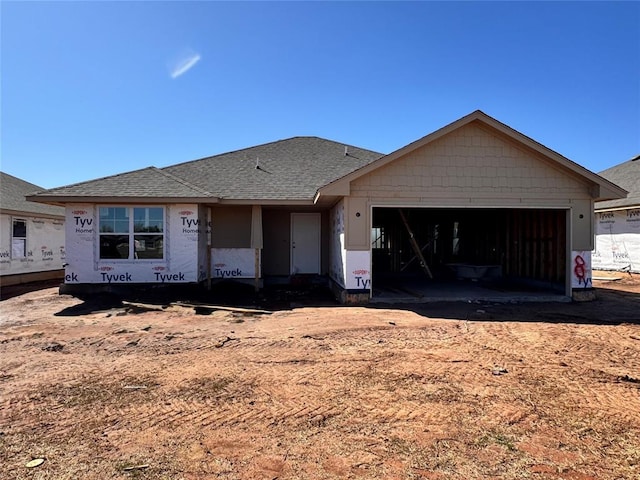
[324, 242]
[617, 240]
[581, 277]
[22, 278]
[231, 227]
[45, 248]
[470, 167]
[182, 230]
[276, 226]
[350, 269]
[231, 254]
[234, 263]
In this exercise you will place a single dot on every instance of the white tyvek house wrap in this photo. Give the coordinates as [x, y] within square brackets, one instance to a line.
[80, 241]
[350, 269]
[581, 269]
[617, 241]
[180, 265]
[184, 228]
[337, 252]
[233, 263]
[358, 266]
[45, 249]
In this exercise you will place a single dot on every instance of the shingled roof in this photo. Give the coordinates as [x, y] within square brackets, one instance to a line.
[287, 170]
[292, 169]
[12, 198]
[627, 176]
[147, 183]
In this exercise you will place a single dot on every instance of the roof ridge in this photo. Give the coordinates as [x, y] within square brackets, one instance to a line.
[227, 153]
[270, 143]
[184, 182]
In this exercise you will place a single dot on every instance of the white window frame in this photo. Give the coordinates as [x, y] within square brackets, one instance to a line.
[132, 234]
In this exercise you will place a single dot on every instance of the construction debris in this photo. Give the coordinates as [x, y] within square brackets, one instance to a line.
[499, 370]
[53, 347]
[136, 467]
[222, 341]
[143, 307]
[36, 462]
[204, 307]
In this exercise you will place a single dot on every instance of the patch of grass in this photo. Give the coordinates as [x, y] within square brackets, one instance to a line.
[93, 391]
[441, 455]
[206, 387]
[159, 467]
[498, 438]
[214, 389]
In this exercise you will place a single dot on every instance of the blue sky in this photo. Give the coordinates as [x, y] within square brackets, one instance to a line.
[91, 89]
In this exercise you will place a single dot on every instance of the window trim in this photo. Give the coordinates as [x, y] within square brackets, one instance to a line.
[26, 236]
[131, 258]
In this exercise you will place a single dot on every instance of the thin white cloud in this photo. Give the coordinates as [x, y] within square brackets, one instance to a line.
[184, 64]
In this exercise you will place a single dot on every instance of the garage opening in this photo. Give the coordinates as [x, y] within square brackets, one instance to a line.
[428, 253]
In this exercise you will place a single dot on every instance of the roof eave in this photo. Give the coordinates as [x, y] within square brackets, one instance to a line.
[51, 199]
[27, 213]
[59, 200]
[266, 202]
[616, 208]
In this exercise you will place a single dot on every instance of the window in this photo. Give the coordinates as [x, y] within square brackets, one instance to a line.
[132, 233]
[19, 238]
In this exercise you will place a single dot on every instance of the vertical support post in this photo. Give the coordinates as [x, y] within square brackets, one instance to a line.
[209, 234]
[568, 252]
[257, 270]
[256, 240]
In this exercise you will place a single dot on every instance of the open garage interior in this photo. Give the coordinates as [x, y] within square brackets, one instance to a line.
[422, 254]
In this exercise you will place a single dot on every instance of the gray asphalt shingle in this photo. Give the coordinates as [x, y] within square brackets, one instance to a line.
[292, 169]
[627, 176]
[149, 182]
[12, 197]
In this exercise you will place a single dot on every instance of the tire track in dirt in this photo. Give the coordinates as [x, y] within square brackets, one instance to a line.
[275, 402]
[565, 360]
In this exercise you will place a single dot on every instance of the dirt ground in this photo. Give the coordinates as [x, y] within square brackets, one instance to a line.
[313, 390]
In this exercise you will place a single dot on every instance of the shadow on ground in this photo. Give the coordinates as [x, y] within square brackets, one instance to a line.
[14, 290]
[225, 294]
[611, 306]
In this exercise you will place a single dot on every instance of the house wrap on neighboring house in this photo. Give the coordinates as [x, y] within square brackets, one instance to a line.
[618, 221]
[31, 235]
[475, 196]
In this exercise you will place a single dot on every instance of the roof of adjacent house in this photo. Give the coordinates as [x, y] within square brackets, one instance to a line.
[12, 197]
[287, 170]
[626, 175]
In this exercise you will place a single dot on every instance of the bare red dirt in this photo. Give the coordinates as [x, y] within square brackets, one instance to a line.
[463, 391]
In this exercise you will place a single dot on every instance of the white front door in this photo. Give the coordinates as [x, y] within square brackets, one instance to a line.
[305, 243]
